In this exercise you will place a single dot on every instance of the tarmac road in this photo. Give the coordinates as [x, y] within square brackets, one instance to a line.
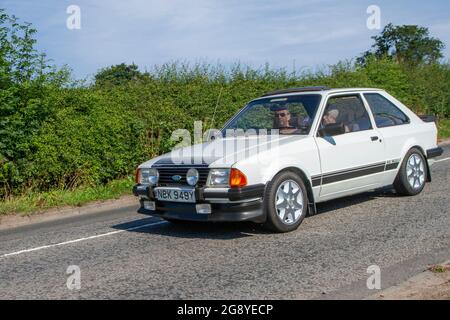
[124, 255]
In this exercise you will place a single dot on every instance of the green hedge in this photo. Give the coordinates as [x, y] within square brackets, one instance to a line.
[59, 137]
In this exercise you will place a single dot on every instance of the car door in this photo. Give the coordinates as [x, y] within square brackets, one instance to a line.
[352, 156]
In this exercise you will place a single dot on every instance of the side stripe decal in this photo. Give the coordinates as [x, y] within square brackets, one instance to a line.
[353, 173]
[391, 166]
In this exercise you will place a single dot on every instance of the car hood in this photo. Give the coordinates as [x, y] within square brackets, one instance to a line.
[223, 152]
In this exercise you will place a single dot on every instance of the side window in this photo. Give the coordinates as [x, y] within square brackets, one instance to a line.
[349, 111]
[386, 114]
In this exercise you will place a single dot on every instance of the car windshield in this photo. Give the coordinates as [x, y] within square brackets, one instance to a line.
[286, 115]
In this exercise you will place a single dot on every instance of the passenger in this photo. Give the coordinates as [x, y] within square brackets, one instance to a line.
[330, 117]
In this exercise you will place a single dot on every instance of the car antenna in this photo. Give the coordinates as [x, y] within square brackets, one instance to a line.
[214, 113]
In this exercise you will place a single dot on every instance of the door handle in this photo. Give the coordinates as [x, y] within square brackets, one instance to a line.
[374, 138]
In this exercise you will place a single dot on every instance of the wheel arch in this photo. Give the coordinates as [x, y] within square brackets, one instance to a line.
[311, 202]
[424, 154]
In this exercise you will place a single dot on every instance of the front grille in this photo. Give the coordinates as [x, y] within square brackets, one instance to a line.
[166, 174]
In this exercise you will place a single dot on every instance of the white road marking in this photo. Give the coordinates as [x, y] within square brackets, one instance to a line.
[80, 239]
[440, 160]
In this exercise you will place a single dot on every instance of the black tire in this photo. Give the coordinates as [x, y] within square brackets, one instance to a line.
[401, 184]
[274, 222]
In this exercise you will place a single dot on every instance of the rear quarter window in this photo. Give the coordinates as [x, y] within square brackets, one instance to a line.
[386, 113]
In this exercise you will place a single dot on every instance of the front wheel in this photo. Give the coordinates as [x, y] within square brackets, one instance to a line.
[285, 202]
[412, 175]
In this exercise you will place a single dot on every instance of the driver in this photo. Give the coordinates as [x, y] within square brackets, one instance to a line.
[282, 118]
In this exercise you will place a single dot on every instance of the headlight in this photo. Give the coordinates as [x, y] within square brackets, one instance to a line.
[219, 177]
[149, 176]
[192, 176]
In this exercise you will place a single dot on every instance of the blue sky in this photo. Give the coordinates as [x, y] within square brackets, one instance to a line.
[148, 33]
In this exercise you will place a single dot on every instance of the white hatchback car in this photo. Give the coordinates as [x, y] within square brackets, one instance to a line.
[288, 150]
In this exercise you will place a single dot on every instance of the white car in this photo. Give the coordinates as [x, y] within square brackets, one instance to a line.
[288, 150]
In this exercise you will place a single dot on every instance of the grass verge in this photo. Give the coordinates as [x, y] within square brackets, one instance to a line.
[440, 268]
[35, 202]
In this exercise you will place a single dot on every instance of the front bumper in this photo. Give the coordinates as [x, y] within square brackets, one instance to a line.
[241, 204]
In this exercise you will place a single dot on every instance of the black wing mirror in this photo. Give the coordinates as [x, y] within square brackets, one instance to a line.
[332, 129]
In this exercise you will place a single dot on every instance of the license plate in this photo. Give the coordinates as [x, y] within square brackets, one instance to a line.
[175, 194]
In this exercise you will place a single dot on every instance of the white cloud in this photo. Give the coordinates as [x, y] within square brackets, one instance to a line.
[253, 31]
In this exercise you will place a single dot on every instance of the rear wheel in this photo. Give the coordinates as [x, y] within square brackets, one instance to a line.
[285, 202]
[412, 175]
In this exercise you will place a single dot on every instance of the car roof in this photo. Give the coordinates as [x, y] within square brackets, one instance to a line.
[318, 89]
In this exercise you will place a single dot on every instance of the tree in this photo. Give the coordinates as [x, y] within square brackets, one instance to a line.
[26, 81]
[117, 74]
[407, 44]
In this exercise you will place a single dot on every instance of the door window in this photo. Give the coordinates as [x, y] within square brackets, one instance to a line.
[348, 111]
